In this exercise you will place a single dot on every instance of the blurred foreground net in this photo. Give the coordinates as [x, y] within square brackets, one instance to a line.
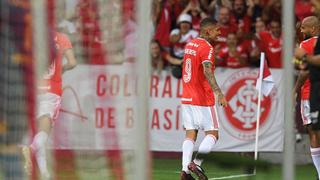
[93, 136]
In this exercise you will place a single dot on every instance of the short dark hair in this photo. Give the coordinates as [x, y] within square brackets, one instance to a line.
[207, 22]
[156, 41]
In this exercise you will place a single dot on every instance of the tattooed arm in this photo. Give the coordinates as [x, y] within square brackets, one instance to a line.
[207, 70]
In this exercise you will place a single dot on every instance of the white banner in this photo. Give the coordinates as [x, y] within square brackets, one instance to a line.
[98, 107]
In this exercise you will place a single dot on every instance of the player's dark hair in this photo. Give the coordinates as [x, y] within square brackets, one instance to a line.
[207, 22]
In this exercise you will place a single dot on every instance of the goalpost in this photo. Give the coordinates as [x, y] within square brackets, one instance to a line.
[288, 34]
[144, 66]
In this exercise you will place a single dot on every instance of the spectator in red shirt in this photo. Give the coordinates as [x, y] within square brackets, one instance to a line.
[303, 8]
[162, 18]
[241, 19]
[225, 26]
[271, 43]
[90, 32]
[254, 49]
[233, 55]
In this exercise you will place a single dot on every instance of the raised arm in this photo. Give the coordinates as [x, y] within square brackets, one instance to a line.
[173, 60]
[208, 72]
[156, 11]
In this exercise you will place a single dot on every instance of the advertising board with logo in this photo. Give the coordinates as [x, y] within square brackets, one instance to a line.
[99, 110]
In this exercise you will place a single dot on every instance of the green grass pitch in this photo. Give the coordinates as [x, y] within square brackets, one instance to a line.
[169, 169]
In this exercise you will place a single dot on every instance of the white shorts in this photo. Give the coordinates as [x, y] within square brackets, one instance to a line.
[305, 112]
[48, 104]
[200, 117]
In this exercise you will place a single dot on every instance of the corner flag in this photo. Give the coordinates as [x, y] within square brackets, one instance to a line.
[264, 85]
[266, 79]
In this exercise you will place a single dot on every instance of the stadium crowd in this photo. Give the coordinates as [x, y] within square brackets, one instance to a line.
[247, 27]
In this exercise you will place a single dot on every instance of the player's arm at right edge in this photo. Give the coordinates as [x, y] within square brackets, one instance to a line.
[208, 72]
[301, 54]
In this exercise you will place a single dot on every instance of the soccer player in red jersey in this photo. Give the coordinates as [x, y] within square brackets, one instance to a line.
[49, 101]
[310, 29]
[198, 100]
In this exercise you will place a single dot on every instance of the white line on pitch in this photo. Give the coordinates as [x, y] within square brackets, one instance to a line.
[233, 176]
[178, 172]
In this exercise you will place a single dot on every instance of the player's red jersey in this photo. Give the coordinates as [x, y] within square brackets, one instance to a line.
[52, 81]
[308, 46]
[196, 88]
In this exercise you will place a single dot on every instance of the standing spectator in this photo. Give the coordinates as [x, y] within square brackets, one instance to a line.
[181, 36]
[241, 19]
[157, 61]
[233, 55]
[303, 8]
[254, 9]
[162, 18]
[177, 7]
[271, 43]
[212, 7]
[271, 10]
[160, 57]
[130, 37]
[193, 8]
[89, 29]
[316, 7]
[255, 46]
[225, 26]
[259, 26]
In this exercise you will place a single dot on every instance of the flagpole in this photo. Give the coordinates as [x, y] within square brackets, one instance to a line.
[262, 57]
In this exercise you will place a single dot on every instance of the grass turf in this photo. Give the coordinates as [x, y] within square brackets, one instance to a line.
[169, 169]
[93, 167]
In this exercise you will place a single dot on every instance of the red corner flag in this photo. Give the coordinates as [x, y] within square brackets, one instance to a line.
[267, 80]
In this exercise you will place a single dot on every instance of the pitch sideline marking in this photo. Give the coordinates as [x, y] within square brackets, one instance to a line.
[233, 176]
[223, 177]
